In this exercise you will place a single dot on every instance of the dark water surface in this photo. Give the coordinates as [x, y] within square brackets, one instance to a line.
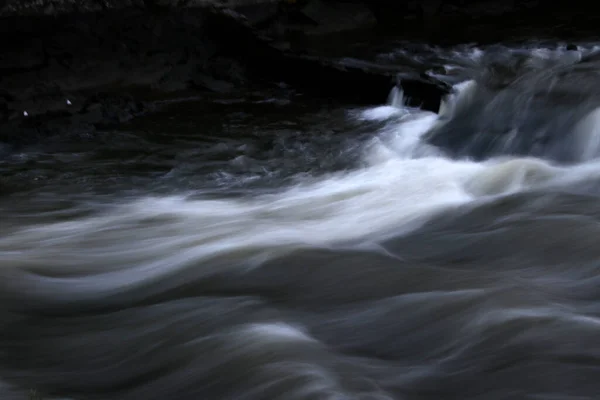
[268, 246]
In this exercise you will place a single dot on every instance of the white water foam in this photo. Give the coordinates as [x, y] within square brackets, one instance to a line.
[381, 113]
[402, 184]
[395, 107]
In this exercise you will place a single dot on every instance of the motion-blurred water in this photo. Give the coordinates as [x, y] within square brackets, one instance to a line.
[267, 247]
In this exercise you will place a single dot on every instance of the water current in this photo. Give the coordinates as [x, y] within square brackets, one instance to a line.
[269, 246]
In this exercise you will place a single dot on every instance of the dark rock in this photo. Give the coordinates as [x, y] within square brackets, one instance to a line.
[4, 112]
[334, 17]
[66, 52]
[101, 109]
[109, 108]
[205, 81]
[258, 16]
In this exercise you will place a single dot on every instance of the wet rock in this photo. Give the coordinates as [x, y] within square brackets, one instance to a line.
[99, 110]
[205, 81]
[335, 17]
[109, 108]
[258, 16]
[59, 66]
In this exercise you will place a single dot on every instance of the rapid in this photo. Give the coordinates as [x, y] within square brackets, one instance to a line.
[268, 247]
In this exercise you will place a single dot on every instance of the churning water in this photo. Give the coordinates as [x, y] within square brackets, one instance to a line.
[278, 249]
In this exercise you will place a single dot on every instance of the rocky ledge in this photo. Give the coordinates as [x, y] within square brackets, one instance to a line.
[80, 64]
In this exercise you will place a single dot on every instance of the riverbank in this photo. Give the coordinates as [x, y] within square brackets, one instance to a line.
[76, 65]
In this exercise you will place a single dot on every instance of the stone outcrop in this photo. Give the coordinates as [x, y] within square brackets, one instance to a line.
[75, 64]
[57, 7]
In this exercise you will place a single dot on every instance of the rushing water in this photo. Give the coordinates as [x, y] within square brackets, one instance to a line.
[267, 247]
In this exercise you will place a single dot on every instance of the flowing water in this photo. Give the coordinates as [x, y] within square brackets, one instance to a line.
[270, 247]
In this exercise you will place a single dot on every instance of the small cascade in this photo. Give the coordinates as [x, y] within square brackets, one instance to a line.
[395, 107]
[396, 97]
[587, 136]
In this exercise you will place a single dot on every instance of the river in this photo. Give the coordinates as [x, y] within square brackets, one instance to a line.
[267, 245]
